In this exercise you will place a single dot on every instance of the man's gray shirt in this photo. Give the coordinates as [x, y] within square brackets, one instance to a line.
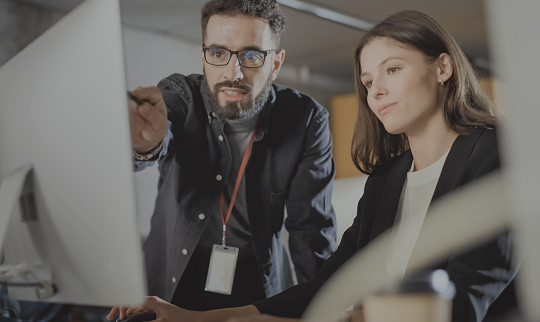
[238, 135]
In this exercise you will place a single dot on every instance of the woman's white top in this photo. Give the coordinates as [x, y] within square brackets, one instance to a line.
[413, 205]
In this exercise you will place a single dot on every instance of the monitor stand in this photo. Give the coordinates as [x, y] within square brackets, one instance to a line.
[11, 318]
[18, 189]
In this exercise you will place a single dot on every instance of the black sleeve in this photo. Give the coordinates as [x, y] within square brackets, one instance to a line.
[175, 92]
[482, 274]
[311, 221]
[293, 302]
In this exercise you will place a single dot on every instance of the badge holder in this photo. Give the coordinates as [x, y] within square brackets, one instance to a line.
[221, 271]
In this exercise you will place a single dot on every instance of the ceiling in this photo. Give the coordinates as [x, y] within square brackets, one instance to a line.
[324, 46]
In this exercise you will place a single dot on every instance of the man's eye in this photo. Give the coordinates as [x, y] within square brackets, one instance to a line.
[218, 53]
[252, 55]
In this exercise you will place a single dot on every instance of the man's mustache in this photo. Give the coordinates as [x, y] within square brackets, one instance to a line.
[245, 87]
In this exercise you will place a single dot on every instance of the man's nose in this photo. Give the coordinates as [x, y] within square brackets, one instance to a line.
[232, 69]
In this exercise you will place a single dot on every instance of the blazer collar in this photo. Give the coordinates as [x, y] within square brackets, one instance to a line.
[455, 161]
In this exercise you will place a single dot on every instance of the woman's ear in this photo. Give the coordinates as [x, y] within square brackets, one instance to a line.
[444, 68]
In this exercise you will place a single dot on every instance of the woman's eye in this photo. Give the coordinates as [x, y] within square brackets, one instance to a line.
[393, 69]
[368, 84]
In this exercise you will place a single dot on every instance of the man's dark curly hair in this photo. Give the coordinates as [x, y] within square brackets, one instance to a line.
[262, 9]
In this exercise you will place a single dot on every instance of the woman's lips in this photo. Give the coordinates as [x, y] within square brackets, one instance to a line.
[232, 94]
[386, 108]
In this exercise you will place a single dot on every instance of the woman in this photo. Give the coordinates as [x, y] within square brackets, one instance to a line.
[424, 128]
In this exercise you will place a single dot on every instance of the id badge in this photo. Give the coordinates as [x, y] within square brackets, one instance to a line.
[221, 270]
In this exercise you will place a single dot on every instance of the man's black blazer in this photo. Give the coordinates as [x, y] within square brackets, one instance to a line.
[479, 275]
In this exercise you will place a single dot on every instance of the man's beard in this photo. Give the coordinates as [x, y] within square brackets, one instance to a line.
[244, 109]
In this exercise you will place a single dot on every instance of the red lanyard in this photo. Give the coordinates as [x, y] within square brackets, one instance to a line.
[225, 217]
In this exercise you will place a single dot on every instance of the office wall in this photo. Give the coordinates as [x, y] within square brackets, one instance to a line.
[20, 24]
[342, 119]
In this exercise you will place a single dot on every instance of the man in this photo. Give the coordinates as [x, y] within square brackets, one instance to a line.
[203, 130]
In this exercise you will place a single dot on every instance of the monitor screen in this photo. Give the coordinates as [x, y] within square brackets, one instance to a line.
[64, 116]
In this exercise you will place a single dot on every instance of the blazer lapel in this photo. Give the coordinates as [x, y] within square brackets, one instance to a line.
[391, 194]
[455, 161]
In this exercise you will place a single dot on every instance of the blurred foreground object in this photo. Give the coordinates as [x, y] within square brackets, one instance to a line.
[426, 297]
[513, 29]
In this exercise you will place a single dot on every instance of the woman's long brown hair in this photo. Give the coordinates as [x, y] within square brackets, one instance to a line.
[467, 109]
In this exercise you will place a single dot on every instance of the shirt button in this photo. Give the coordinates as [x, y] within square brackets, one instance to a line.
[184, 251]
[201, 216]
[219, 177]
[174, 279]
[220, 138]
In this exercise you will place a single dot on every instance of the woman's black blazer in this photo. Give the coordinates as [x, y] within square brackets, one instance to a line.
[479, 275]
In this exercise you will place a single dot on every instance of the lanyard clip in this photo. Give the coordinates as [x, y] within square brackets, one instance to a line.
[224, 233]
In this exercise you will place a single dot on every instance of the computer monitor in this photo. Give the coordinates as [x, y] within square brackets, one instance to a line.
[65, 143]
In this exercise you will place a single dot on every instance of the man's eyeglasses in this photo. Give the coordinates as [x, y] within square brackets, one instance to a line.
[246, 58]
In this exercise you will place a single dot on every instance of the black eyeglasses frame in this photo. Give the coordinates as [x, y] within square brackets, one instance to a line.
[237, 52]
